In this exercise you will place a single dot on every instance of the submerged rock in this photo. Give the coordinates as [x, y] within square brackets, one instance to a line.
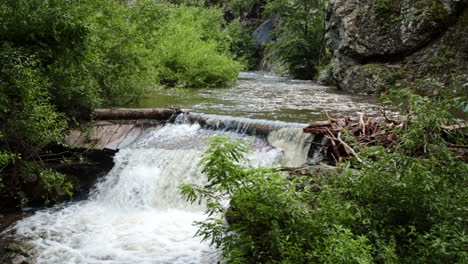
[11, 251]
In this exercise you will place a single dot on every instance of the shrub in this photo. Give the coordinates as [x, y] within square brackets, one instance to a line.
[271, 220]
[62, 59]
[405, 204]
[408, 200]
[241, 44]
[191, 50]
[300, 36]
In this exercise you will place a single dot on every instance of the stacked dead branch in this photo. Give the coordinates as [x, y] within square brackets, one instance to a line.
[367, 132]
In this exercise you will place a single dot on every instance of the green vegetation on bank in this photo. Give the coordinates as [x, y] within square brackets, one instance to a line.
[300, 36]
[297, 46]
[404, 204]
[293, 40]
[62, 59]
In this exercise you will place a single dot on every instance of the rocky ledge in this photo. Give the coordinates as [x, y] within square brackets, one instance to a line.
[376, 43]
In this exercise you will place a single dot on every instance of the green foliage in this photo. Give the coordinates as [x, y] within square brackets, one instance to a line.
[6, 158]
[384, 7]
[28, 119]
[243, 7]
[103, 53]
[297, 39]
[271, 220]
[409, 201]
[241, 45]
[191, 50]
[49, 32]
[300, 36]
[433, 10]
[62, 59]
[405, 204]
[55, 185]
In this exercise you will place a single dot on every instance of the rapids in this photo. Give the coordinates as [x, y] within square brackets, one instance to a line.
[136, 214]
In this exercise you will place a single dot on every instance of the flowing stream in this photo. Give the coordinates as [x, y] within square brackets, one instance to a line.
[261, 95]
[136, 214]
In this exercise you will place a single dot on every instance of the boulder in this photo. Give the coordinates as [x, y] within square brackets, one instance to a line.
[385, 33]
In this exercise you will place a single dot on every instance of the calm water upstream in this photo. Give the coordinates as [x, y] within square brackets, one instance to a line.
[260, 95]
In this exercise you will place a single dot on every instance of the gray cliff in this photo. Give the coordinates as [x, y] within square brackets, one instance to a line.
[375, 43]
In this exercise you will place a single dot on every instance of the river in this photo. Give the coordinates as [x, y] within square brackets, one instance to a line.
[261, 95]
[135, 214]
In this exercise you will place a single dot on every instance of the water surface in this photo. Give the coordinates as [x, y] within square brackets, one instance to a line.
[260, 95]
[135, 214]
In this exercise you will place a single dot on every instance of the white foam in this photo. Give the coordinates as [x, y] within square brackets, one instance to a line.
[295, 144]
[136, 213]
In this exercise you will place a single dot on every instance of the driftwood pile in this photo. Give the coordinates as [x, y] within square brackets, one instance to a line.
[366, 132]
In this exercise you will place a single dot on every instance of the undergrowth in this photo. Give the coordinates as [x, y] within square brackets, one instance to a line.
[62, 59]
[404, 204]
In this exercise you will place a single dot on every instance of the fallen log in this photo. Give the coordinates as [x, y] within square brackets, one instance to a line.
[137, 113]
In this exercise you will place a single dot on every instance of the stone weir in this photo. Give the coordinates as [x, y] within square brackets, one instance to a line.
[116, 128]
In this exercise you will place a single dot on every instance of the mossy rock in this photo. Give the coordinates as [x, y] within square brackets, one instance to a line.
[433, 10]
[437, 12]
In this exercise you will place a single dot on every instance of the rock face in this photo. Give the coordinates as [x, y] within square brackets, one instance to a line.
[371, 38]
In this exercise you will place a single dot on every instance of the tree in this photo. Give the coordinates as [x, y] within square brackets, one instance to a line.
[299, 35]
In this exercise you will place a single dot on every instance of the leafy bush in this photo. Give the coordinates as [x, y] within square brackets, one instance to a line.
[28, 120]
[103, 53]
[62, 59]
[300, 36]
[241, 44]
[271, 220]
[192, 51]
[406, 204]
[55, 185]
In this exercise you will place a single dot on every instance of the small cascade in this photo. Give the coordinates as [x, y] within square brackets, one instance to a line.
[240, 125]
[298, 147]
[294, 143]
[136, 213]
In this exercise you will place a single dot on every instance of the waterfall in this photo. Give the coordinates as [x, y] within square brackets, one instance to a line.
[255, 127]
[294, 143]
[136, 214]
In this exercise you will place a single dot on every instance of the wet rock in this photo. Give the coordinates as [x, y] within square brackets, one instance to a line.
[325, 77]
[262, 34]
[6, 221]
[84, 173]
[362, 32]
[369, 28]
[17, 248]
[362, 79]
[13, 252]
